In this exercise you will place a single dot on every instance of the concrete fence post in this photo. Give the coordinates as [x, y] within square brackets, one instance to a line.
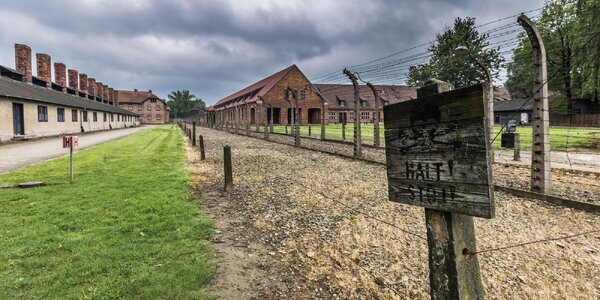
[228, 168]
[540, 150]
[357, 104]
[517, 147]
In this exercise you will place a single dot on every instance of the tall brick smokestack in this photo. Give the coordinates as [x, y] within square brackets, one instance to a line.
[73, 80]
[105, 93]
[23, 61]
[44, 68]
[83, 83]
[60, 75]
[99, 88]
[91, 87]
[111, 96]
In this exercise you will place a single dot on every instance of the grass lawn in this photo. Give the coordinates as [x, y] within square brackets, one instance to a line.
[127, 228]
[561, 138]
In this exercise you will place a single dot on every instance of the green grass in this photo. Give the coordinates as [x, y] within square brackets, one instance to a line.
[84, 240]
[561, 138]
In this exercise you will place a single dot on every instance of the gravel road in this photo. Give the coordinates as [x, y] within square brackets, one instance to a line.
[19, 154]
[310, 246]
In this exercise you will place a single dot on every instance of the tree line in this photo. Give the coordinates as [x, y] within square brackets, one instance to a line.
[569, 29]
[182, 103]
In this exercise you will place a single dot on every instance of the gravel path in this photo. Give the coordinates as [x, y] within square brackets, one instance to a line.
[314, 217]
[19, 154]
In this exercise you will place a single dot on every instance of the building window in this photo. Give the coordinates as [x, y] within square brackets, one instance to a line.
[118, 118]
[42, 113]
[130, 107]
[351, 115]
[149, 107]
[365, 115]
[386, 103]
[104, 117]
[363, 103]
[286, 94]
[95, 117]
[149, 117]
[158, 117]
[342, 103]
[332, 115]
[158, 107]
[85, 116]
[60, 114]
[153, 100]
[139, 107]
[302, 94]
[74, 115]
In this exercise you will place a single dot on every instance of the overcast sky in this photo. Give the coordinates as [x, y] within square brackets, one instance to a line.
[215, 48]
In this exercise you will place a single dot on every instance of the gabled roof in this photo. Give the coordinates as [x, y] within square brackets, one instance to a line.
[137, 97]
[333, 93]
[20, 90]
[514, 105]
[252, 92]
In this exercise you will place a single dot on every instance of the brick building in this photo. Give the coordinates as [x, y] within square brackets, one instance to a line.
[341, 100]
[271, 98]
[149, 107]
[35, 106]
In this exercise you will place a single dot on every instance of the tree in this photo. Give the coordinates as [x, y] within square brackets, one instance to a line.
[182, 102]
[557, 27]
[570, 34]
[459, 71]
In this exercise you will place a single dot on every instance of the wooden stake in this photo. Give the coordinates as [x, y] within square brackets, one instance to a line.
[517, 147]
[194, 134]
[228, 168]
[201, 146]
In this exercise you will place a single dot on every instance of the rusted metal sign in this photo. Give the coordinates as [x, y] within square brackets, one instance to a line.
[437, 152]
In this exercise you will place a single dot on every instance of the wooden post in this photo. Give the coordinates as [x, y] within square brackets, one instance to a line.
[453, 275]
[194, 134]
[309, 131]
[201, 146]
[228, 168]
[376, 120]
[71, 165]
[344, 129]
[540, 151]
[237, 119]
[357, 134]
[517, 147]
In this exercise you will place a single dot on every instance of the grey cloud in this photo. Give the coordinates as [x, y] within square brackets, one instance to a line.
[216, 47]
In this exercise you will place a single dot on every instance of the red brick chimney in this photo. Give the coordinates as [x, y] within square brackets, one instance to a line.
[105, 93]
[44, 68]
[111, 96]
[83, 83]
[60, 75]
[73, 80]
[99, 88]
[91, 87]
[23, 61]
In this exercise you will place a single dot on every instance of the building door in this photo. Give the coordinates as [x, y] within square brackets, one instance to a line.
[18, 120]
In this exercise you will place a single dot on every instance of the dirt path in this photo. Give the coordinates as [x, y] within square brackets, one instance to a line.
[302, 225]
[20, 154]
